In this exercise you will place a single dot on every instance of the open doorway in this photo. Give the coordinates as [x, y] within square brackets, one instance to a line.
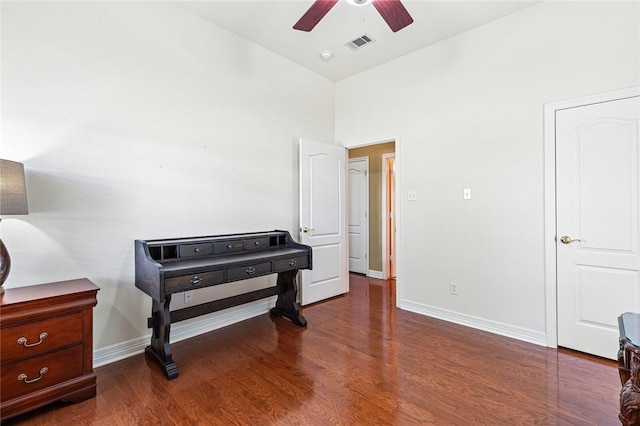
[381, 193]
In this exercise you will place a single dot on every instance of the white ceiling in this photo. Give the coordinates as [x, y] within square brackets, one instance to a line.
[269, 23]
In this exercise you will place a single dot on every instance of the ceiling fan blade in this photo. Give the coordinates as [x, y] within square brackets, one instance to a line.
[315, 13]
[394, 13]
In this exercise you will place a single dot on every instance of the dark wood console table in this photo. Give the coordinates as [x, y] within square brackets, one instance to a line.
[629, 368]
[165, 267]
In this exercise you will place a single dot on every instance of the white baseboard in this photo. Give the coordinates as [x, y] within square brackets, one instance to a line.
[375, 274]
[184, 330]
[495, 327]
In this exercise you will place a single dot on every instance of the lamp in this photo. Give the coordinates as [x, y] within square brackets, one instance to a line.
[13, 200]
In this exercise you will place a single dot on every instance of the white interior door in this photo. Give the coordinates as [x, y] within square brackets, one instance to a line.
[322, 220]
[597, 202]
[358, 215]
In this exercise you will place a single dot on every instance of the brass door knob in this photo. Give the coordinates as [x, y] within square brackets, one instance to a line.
[565, 239]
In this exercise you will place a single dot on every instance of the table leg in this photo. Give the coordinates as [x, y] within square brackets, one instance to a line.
[286, 305]
[160, 348]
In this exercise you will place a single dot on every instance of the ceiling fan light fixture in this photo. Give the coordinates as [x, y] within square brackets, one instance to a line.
[358, 2]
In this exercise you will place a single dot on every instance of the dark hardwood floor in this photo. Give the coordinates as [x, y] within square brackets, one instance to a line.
[360, 361]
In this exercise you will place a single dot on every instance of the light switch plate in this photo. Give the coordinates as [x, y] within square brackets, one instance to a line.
[466, 194]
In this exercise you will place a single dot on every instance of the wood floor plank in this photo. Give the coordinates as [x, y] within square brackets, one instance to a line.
[359, 361]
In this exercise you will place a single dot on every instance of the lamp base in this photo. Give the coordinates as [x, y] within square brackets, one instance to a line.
[5, 264]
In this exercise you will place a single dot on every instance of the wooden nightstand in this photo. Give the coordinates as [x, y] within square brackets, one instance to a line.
[46, 345]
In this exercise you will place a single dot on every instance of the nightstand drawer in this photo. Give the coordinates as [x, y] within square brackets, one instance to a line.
[33, 338]
[24, 377]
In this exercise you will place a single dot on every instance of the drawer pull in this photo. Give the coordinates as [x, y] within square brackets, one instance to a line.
[196, 280]
[257, 243]
[292, 262]
[229, 246]
[23, 340]
[23, 377]
[251, 270]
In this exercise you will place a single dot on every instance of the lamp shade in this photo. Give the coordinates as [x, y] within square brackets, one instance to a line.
[13, 191]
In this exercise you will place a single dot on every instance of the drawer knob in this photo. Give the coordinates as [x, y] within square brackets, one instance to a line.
[292, 262]
[251, 270]
[257, 243]
[197, 250]
[229, 246]
[23, 377]
[23, 340]
[196, 280]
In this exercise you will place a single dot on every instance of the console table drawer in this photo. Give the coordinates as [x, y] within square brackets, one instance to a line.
[248, 271]
[190, 282]
[191, 250]
[256, 243]
[33, 338]
[24, 377]
[228, 247]
[292, 263]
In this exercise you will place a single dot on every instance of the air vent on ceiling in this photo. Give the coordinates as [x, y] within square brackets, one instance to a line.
[360, 42]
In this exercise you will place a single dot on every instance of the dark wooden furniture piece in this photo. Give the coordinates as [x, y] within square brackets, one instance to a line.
[165, 267]
[46, 345]
[629, 368]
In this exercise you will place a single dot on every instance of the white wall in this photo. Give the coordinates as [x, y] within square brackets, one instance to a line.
[470, 114]
[139, 120]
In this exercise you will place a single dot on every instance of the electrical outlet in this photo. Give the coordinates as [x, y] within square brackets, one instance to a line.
[453, 288]
[188, 296]
[412, 195]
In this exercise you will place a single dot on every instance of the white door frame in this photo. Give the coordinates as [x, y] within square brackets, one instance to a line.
[385, 253]
[399, 263]
[550, 231]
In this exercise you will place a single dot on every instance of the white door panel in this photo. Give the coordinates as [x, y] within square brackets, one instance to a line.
[329, 257]
[597, 204]
[324, 185]
[599, 304]
[607, 149]
[322, 220]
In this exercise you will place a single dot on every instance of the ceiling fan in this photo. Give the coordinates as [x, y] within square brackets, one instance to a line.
[392, 11]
